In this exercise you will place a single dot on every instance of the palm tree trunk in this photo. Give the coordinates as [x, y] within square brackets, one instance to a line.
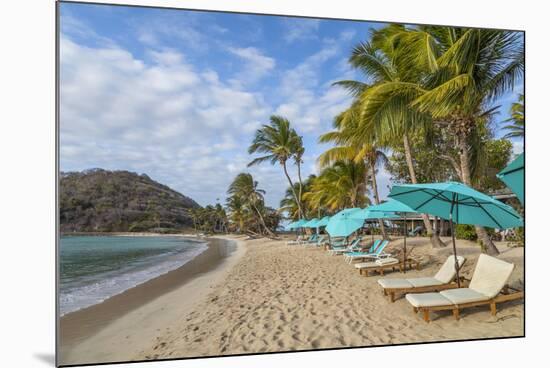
[434, 237]
[487, 244]
[262, 221]
[300, 180]
[442, 227]
[376, 196]
[300, 213]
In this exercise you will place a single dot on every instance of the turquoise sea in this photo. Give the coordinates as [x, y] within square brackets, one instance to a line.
[94, 268]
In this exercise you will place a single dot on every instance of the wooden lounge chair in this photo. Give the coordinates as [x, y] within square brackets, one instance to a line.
[444, 279]
[299, 239]
[383, 264]
[488, 287]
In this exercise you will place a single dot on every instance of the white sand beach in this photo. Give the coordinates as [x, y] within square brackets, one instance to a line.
[270, 297]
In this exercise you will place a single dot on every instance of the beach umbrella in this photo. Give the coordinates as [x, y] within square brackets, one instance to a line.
[311, 223]
[367, 214]
[395, 208]
[296, 224]
[459, 203]
[323, 222]
[513, 176]
[343, 223]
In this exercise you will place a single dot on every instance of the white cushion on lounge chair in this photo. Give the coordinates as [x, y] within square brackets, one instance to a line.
[394, 283]
[377, 263]
[427, 300]
[447, 271]
[490, 275]
[463, 295]
[424, 281]
[366, 265]
[386, 261]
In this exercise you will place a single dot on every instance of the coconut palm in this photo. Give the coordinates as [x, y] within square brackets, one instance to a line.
[350, 148]
[245, 187]
[279, 142]
[468, 70]
[339, 186]
[237, 211]
[383, 101]
[517, 119]
[288, 203]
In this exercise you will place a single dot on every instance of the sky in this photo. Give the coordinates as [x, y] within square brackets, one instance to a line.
[178, 94]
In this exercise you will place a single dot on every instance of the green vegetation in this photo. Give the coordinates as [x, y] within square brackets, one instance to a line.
[279, 142]
[119, 201]
[467, 232]
[517, 118]
[247, 210]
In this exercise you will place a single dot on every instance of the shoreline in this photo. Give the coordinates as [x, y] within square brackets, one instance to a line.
[137, 234]
[103, 332]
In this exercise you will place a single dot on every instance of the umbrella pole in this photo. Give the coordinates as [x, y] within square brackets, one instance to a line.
[405, 246]
[454, 243]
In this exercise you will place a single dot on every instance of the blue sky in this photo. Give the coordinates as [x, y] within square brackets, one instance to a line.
[178, 94]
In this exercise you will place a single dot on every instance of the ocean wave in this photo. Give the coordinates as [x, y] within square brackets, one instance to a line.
[94, 292]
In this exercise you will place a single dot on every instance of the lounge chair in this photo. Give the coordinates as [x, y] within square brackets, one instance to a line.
[389, 263]
[371, 249]
[443, 279]
[320, 241]
[337, 244]
[299, 239]
[312, 238]
[377, 254]
[487, 287]
[351, 247]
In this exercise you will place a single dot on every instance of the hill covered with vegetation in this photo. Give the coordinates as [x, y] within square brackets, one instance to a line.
[98, 200]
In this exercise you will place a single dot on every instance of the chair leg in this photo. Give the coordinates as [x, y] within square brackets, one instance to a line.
[493, 309]
[426, 315]
[456, 312]
[415, 310]
[392, 296]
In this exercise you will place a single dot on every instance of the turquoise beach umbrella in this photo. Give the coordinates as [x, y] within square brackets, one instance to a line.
[311, 223]
[343, 223]
[296, 224]
[392, 206]
[513, 176]
[323, 222]
[459, 203]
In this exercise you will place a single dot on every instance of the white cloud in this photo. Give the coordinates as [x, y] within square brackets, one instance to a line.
[300, 29]
[307, 108]
[180, 125]
[256, 64]
[517, 147]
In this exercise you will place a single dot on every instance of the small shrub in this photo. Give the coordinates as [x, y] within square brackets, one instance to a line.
[467, 232]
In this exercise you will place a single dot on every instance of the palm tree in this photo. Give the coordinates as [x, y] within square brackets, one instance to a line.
[288, 203]
[469, 70]
[245, 187]
[350, 148]
[237, 211]
[279, 142]
[339, 186]
[383, 101]
[517, 118]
